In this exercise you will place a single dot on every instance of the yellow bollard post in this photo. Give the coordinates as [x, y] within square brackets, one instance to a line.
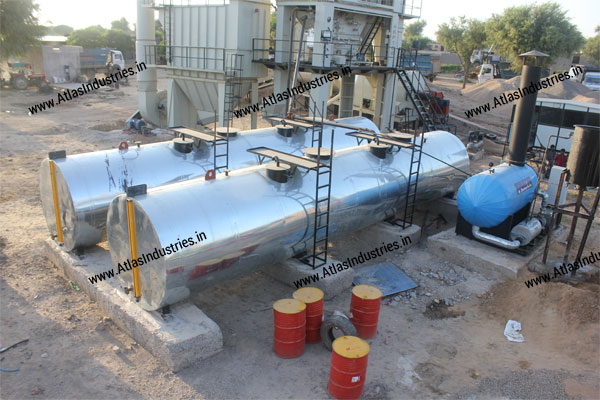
[59, 231]
[137, 289]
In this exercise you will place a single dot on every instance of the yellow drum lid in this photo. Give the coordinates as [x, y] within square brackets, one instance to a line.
[289, 306]
[308, 294]
[367, 292]
[350, 347]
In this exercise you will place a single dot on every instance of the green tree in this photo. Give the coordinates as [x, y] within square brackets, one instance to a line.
[416, 28]
[273, 24]
[462, 36]
[19, 28]
[159, 32]
[118, 39]
[543, 27]
[89, 38]
[121, 24]
[414, 32]
[61, 30]
[591, 50]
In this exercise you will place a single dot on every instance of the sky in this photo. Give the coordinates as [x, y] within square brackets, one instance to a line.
[82, 13]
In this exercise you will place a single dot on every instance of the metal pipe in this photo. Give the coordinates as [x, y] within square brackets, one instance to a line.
[517, 150]
[297, 67]
[486, 237]
[59, 231]
[573, 226]
[86, 183]
[133, 245]
[554, 215]
[588, 225]
[290, 51]
[250, 220]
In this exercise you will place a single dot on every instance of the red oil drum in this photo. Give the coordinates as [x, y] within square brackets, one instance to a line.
[313, 298]
[348, 367]
[290, 328]
[364, 308]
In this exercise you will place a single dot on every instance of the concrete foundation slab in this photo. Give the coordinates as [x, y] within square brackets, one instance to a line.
[294, 270]
[179, 338]
[476, 256]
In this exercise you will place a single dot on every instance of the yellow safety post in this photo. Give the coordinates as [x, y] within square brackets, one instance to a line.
[55, 198]
[137, 289]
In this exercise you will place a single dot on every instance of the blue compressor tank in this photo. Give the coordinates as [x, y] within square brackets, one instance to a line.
[486, 199]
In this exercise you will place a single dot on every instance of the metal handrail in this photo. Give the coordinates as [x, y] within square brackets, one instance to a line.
[190, 57]
[262, 49]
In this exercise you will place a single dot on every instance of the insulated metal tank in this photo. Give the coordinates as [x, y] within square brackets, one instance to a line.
[250, 220]
[488, 198]
[88, 182]
[583, 158]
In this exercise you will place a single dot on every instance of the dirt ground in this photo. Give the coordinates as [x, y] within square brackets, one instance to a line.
[443, 340]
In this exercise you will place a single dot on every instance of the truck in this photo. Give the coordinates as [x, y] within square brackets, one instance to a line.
[478, 57]
[108, 61]
[495, 70]
[428, 64]
[590, 77]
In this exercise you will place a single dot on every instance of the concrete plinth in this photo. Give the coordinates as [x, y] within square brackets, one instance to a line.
[178, 339]
[384, 232]
[490, 261]
[294, 270]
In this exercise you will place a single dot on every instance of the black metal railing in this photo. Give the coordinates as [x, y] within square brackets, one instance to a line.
[189, 57]
[337, 53]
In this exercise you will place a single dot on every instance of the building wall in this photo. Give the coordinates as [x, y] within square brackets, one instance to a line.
[56, 57]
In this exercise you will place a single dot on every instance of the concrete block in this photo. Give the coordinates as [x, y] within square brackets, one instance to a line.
[479, 257]
[294, 270]
[384, 232]
[178, 339]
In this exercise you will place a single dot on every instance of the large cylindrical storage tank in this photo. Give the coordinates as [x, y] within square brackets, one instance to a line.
[584, 155]
[88, 182]
[488, 198]
[250, 220]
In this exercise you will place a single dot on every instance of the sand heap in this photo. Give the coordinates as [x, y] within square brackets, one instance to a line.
[569, 90]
